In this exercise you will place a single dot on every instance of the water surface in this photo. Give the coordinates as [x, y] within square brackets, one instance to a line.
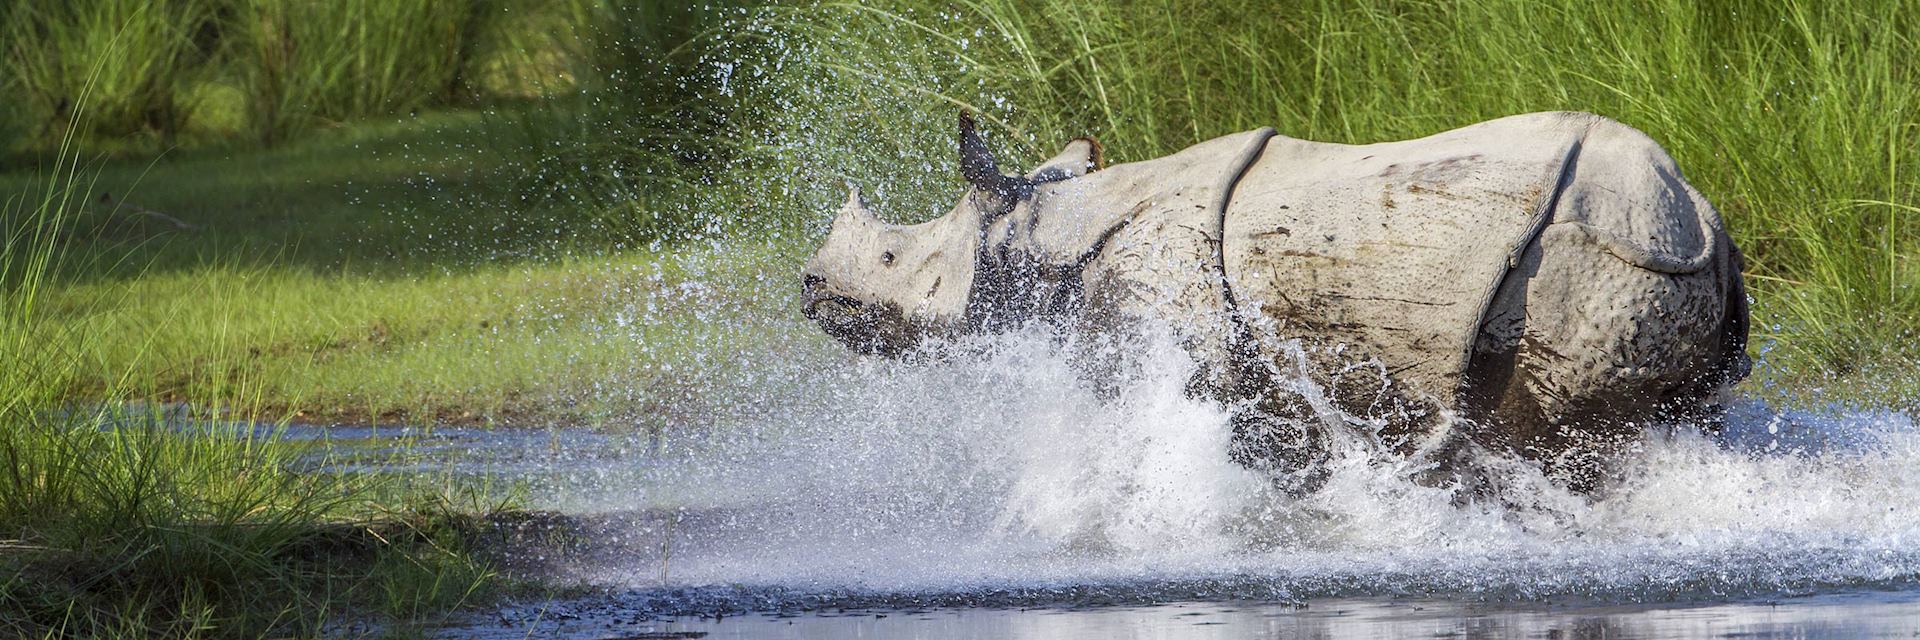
[1838, 615]
[997, 493]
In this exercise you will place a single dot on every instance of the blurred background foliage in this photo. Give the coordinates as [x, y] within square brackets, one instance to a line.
[159, 73]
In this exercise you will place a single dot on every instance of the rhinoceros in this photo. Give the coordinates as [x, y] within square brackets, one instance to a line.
[1545, 284]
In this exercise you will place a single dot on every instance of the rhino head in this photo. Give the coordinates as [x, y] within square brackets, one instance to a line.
[883, 288]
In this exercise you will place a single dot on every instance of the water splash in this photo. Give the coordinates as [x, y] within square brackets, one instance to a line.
[998, 473]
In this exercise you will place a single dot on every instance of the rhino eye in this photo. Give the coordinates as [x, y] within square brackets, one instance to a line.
[886, 257]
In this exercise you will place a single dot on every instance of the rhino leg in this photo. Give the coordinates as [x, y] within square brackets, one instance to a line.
[1276, 430]
[1299, 402]
[1580, 351]
[1281, 445]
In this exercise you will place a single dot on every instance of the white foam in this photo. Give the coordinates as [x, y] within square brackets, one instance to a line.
[1000, 465]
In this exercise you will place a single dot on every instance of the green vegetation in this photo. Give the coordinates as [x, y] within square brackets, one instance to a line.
[124, 525]
[137, 520]
[159, 73]
[369, 275]
[497, 212]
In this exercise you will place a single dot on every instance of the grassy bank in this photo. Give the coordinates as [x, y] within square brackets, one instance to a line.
[390, 272]
[376, 274]
[132, 520]
[127, 525]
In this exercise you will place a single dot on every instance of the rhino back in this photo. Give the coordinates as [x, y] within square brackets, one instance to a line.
[1393, 250]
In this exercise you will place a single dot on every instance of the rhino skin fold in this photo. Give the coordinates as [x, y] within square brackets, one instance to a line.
[1545, 284]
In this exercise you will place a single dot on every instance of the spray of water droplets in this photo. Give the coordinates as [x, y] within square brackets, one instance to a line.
[789, 471]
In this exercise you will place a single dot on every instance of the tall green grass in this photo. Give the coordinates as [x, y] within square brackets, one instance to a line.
[133, 59]
[1797, 119]
[306, 63]
[260, 69]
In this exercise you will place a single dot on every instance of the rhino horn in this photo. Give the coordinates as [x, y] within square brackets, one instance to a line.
[978, 166]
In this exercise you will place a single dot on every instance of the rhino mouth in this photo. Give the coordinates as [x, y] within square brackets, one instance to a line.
[863, 327]
[839, 315]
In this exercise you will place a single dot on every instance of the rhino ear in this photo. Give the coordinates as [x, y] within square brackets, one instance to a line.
[856, 205]
[1080, 157]
[979, 167]
[854, 201]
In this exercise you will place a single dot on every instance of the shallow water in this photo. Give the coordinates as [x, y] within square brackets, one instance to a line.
[1839, 615]
[996, 493]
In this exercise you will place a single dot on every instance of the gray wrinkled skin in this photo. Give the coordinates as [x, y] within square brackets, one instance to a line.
[1545, 284]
